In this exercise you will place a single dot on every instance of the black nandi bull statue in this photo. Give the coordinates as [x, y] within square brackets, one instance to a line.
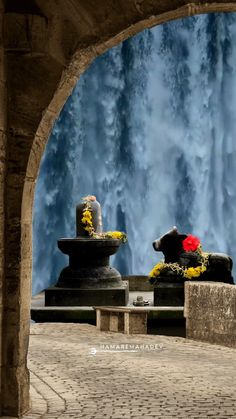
[219, 265]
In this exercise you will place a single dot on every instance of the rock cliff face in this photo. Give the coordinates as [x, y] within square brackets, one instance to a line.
[44, 47]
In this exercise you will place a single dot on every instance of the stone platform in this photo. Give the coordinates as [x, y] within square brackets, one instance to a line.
[166, 293]
[116, 296]
[161, 320]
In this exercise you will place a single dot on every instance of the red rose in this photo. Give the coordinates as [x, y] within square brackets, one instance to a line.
[191, 243]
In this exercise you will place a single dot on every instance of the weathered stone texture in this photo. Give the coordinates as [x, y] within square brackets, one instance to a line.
[210, 311]
[25, 33]
[2, 184]
[127, 320]
[138, 283]
[15, 387]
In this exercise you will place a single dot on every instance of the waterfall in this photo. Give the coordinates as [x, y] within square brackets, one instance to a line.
[149, 129]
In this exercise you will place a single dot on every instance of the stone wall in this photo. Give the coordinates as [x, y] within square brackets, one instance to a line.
[210, 311]
[2, 181]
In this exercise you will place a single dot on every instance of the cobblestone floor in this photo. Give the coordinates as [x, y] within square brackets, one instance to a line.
[75, 373]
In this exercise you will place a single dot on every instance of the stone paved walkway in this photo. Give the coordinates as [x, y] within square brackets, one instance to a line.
[75, 373]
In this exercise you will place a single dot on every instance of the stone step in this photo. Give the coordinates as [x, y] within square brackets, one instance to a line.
[84, 314]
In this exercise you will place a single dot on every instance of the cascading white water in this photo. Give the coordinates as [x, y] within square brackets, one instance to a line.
[149, 129]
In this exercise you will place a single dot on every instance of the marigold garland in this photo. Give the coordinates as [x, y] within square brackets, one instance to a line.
[116, 235]
[190, 244]
[87, 221]
[194, 272]
[160, 267]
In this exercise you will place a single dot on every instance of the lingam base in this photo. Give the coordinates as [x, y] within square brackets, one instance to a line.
[117, 296]
[88, 280]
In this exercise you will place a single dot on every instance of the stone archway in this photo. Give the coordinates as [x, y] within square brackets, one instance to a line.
[44, 49]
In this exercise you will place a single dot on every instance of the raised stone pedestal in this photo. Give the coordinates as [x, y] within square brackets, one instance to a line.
[169, 293]
[88, 280]
[116, 296]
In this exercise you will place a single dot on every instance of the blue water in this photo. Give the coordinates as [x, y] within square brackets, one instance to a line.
[150, 130]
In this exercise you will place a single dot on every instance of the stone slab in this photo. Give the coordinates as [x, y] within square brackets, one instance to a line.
[169, 294]
[38, 300]
[135, 323]
[138, 283]
[63, 315]
[121, 320]
[56, 296]
[81, 314]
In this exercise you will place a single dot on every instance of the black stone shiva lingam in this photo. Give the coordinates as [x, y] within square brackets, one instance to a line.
[88, 280]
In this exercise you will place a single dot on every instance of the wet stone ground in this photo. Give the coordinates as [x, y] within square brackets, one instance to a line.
[79, 372]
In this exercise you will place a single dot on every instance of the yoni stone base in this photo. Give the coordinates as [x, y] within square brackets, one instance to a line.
[169, 294]
[114, 296]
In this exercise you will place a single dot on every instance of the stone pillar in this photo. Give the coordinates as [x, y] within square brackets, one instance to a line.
[34, 76]
[26, 64]
[210, 312]
[2, 183]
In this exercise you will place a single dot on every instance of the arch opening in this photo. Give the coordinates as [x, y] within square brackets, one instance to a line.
[148, 129]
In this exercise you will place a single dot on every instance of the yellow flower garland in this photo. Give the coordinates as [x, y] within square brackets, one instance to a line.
[162, 266]
[87, 221]
[187, 273]
[194, 272]
[116, 235]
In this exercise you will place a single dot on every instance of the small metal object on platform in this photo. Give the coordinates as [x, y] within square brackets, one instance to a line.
[85, 314]
[140, 302]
